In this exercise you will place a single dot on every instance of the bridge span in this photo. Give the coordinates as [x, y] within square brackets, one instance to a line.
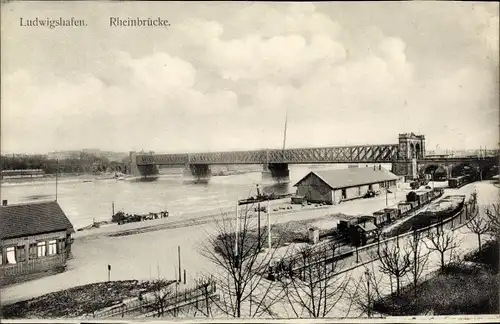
[407, 158]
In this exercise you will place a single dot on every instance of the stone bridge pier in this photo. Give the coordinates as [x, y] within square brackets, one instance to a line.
[276, 172]
[132, 168]
[200, 172]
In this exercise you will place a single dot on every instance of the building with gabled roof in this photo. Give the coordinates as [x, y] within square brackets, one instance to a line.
[34, 238]
[335, 186]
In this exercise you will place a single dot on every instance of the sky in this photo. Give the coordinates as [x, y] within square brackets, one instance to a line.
[223, 76]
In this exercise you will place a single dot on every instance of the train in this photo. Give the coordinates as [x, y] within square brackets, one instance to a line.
[361, 230]
[458, 182]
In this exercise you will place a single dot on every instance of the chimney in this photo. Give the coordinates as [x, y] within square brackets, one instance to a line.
[4, 202]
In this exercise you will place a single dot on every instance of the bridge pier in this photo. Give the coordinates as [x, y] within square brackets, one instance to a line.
[143, 170]
[198, 172]
[276, 172]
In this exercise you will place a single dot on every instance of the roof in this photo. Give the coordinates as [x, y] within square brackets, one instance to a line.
[32, 218]
[353, 177]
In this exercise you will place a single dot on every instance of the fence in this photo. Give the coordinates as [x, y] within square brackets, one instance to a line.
[148, 303]
[361, 255]
[10, 272]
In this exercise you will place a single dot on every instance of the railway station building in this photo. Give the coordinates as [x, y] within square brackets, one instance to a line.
[334, 186]
[35, 238]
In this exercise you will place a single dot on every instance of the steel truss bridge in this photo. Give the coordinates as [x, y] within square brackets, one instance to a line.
[343, 154]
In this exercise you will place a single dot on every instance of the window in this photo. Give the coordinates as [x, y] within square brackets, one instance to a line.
[33, 253]
[41, 249]
[21, 253]
[11, 255]
[344, 194]
[52, 247]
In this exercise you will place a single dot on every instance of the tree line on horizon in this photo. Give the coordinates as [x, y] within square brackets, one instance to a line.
[84, 164]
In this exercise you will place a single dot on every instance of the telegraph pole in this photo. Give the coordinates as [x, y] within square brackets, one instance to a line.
[57, 172]
[269, 223]
[179, 259]
[258, 226]
[236, 236]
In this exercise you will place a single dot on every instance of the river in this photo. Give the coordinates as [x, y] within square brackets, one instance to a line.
[84, 201]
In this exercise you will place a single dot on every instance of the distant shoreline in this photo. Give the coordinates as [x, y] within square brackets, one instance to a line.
[52, 177]
[93, 177]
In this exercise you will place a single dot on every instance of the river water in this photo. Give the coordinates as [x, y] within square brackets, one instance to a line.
[84, 201]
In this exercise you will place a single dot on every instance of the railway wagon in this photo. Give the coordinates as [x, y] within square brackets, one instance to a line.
[421, 197]
[458, 182]
[404, 207]
[386, 216]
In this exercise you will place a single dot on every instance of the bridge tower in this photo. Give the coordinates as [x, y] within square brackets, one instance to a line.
[411, 149]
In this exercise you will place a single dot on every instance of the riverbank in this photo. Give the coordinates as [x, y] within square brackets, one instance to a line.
[153, 253]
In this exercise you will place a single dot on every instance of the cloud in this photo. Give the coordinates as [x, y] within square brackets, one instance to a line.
[226, 82]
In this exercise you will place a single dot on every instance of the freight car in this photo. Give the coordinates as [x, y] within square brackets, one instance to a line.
[422, 197]
[458, 181]
[386, 216]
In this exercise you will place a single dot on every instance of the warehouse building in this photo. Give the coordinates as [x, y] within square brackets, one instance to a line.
[335, 186]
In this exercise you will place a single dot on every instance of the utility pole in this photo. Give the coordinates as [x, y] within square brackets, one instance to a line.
[269, 224]
[237, 233]
[258, 226]
[113, 208]
[179, 258]
[386, 191]
[57, 174]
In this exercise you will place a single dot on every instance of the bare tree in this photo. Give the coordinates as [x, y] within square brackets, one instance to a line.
[442, 241]
[235, 249]
[394, 261]
[418, 259]
[367, 290]
[493, 217]
[477, 224]
[203, 302]
[314, 288]
[162, 296]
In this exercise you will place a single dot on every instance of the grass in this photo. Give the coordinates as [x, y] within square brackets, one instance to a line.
[460, 288]
[489, 255]
[77, 301]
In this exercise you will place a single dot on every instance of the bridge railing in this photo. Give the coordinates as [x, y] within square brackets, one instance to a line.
[342, 154]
